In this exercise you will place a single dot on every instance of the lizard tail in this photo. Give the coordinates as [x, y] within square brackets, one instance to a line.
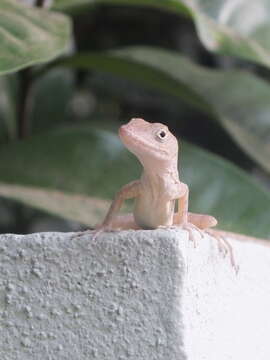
[202, 221]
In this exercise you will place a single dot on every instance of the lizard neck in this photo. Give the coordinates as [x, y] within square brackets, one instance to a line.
[166, 172]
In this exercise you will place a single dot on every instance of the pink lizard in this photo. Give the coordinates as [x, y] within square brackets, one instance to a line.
[158, 189]
[159, 186]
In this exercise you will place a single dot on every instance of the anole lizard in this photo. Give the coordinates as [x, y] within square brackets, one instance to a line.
[159, 187]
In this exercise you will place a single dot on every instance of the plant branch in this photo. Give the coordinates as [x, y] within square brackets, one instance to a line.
[40, 3]
[22, 108]
[26, 80]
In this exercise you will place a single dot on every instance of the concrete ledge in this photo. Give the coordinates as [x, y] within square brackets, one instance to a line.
[132, 295]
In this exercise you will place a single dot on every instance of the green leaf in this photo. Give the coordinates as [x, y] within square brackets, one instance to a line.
[238, 28]
[69, 159]
[30, 35]
[83, 209]
[220, 188]
[94, 162]
[168, 5]
[239, 100]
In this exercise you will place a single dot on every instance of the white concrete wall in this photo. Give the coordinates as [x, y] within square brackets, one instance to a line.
[132, 295]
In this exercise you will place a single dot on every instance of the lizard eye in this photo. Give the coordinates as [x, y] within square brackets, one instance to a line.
[161, 135]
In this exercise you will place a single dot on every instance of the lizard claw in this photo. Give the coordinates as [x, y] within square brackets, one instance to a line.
[190, 228]
[170, 227]
[225, 248]
[224, 245]
[100, 229]
[94, 233]
[81, 233]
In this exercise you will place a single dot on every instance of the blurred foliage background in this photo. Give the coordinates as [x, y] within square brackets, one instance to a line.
[72, 71]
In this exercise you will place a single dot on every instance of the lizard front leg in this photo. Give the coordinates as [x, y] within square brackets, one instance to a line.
[185, 219]
[190, 221]
[110, 222]
[181, 218]
[128, 191]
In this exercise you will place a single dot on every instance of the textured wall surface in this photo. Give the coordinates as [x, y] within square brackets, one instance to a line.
[63, 298]
[132, 295]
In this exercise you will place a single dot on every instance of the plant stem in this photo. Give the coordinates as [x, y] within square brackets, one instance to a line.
[22, 109]
[40, 3]
[25, 79]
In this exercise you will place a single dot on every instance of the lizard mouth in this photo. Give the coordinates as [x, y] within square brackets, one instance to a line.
[132, 141]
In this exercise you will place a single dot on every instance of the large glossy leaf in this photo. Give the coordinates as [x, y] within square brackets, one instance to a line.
[239, 100]
[84, 209]
[93, 162]
[73, 160]
[30, 35]
[239, 28]
[223, 190]
[169, 5]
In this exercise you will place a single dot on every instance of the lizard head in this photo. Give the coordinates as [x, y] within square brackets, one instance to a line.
[152, 143]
